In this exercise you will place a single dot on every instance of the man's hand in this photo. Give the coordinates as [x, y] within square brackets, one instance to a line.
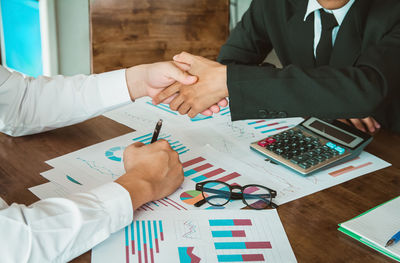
[370, 123]
[210, 89]
[152, 172]
[151, 79]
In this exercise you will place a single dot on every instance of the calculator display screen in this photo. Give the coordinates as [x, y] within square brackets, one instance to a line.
[344, 137]
[332, 132]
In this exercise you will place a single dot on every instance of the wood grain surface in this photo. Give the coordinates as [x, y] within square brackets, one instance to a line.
[130, 32]
[310, 222]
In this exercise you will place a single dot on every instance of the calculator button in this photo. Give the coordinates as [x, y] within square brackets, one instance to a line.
[305, 165]
[303, 157]
[327, 155]
[334, 152]
[325, 148]
[262, 143]
[319, 150]
[287, 156]
[340, 150]
[313, 161]
[331, 145]
[321, 158]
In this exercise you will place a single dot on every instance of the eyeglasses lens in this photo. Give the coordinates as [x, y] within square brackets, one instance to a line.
[257, 197]
[216, 193]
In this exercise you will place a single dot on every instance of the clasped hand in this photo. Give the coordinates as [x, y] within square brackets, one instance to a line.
[209, 91]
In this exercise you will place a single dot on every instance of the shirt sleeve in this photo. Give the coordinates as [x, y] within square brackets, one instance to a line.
[60, 229]
[29, 105]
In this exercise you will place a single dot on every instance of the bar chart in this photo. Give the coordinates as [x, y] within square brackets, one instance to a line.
[236, 246]
[175, 144]
[142, 240]
[264, 126]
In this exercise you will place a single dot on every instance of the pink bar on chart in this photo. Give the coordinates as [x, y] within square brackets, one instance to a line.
[214, 173]
[238, 233]
[133, 247]
[229, 177]
[147, 206]
[283, 127]
[127, 254]
[255, 245]
[348, 169]
[140, 256]
[162, 236]
[203, 167]
[151, 255]
[169, 199]
[156, 241]
[194, 161]
[242, 222]
[253, 257]
[251, 189]
[145, 252]
[161, 202]
[172, 204]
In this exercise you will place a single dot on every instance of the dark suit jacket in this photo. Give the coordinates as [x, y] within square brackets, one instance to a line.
[362, 78]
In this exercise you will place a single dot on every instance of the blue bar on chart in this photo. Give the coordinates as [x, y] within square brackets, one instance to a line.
[263, 127]
[243, 245]
[163, 107]
[228, 233]
[241, 258]
[230, 222]
[176, 145]
[126, 244]
[225, 111]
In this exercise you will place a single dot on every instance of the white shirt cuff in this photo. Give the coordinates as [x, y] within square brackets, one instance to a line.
[117, 203]
[113, 88]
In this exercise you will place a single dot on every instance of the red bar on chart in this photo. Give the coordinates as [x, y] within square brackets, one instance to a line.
[253, 257]
[214, 173]
[229, 177]
[255, 245]
[194, 161]
[242, 222]
[203, 167]
[348, 169]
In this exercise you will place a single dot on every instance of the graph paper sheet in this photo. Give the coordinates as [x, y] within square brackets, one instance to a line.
[198, 236]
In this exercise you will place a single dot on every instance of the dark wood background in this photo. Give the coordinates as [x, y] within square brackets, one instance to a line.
[310, 222]
[130, 32]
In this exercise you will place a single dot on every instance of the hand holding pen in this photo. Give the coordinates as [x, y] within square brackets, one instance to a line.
[156, 131]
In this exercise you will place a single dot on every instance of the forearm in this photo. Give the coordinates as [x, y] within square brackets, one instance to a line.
[58, 229]
[322, 92]
[30, 105]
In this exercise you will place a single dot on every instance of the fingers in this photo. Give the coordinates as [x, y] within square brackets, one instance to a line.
[162, 144]
[377, 125]
[369, 123]
[185, 57]
[176, 103]
[214, 108]
[206, 112]
[184, 108]
[345, 121]
[182, 66]
[168, 101]
[193, 112]
[358, 124]
[223, 103]
[166, 93]
[137, 144]
[183, 77]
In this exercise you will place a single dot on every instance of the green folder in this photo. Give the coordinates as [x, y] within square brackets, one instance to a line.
[364, 240]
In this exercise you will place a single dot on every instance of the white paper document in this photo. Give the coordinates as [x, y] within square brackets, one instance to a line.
[198, 236]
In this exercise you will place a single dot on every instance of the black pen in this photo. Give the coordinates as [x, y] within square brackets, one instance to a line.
[156, 131]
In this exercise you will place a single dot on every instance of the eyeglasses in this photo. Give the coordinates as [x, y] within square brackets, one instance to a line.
[219, 193]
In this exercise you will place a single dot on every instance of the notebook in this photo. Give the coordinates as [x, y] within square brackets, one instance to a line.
[376, 226]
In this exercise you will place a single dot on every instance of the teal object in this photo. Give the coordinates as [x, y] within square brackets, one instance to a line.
[21, 32]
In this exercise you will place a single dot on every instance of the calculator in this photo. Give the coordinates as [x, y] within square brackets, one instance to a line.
[313, 145]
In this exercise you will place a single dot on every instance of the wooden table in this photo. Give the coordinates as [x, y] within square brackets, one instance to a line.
[310, 222]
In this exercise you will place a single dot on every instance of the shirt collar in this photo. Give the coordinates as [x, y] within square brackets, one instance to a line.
[339, 14]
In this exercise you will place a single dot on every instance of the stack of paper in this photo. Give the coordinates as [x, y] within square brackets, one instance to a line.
[376, 226]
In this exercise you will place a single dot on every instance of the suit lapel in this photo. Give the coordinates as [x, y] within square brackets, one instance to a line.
[301, 34]
[348, 42]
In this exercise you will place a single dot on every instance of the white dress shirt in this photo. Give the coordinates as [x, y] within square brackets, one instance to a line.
[59, 229]
[340, 14]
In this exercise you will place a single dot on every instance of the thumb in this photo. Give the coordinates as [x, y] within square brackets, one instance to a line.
[183, 77]
[185, 58]
[137, 144]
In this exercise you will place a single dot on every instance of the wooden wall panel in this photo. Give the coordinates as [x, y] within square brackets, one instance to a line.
[130, 32]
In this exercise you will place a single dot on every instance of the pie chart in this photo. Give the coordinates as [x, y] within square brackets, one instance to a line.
[191, 197]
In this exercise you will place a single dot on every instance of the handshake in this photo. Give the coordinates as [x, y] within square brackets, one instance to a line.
[190, 84]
